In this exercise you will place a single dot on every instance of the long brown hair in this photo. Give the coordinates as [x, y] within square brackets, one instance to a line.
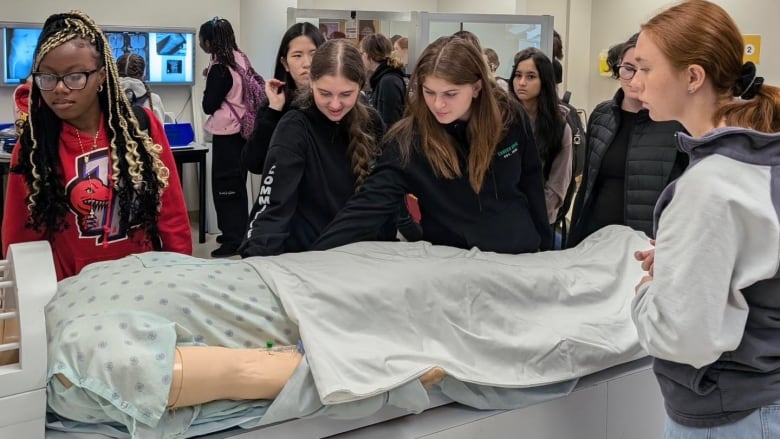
[340, 57]
[458, 62]
[702, 33]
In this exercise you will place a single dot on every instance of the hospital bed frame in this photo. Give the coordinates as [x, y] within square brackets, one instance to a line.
[617, 403]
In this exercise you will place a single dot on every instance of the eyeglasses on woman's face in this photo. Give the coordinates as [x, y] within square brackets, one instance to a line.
[626, 71]
[74, 80]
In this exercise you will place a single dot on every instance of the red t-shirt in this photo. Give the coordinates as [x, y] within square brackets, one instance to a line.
[93, 205]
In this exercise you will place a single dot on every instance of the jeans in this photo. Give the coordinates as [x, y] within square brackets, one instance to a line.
[763, 423]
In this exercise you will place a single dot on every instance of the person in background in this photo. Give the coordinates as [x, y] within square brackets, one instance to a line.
[83, 176]
[557, 57]
[491, 57]
[468, 155]
[388, 90]
[708, 309]
[222, 100]
[470, 37]
[291, 74]
[132, 70]
[630, 158]
[401, 51]
[321, 153]
[533, 84]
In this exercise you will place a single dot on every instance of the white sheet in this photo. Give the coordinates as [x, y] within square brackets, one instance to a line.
[486, 318]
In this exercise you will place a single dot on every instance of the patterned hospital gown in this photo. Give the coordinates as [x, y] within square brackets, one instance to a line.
[112, 331]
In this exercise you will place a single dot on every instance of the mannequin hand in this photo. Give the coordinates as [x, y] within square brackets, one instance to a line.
[275, 92]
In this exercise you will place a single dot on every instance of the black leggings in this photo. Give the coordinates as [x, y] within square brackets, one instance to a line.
[228, 186]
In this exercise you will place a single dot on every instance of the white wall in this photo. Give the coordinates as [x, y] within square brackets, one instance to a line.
[371, 5]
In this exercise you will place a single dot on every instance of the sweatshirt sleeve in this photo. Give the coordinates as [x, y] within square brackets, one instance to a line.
[218, 84]
[173, 222]
[560, 176]
[532, 184]
[717, 236]
[278, 198]
[256, 148]
[377, 202]
[15, 213]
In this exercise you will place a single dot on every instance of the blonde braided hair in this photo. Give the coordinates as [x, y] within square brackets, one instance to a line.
[138, 175]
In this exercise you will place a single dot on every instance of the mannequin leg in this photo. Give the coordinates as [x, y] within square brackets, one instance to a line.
[432, 377]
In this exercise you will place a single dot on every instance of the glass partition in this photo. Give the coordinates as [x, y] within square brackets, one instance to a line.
[354, 25]
[506, 34]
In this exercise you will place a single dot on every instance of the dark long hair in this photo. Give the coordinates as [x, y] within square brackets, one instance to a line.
[340, 57]
[222, 40]
[548, 127]
[459, 62]
[133, 66]
[304, 29]
[138, 176]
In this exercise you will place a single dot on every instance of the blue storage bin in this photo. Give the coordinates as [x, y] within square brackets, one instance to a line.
[179, 134]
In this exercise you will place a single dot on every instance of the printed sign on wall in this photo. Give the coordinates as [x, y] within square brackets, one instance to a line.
[752, 48]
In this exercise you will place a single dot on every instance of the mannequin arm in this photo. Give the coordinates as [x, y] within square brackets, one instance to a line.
[209, 373]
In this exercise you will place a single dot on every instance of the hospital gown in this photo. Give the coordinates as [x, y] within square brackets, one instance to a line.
[112, 332]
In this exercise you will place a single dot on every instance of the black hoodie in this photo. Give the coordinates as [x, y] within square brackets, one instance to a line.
[508, 215]
[388, 91]
[307, 178]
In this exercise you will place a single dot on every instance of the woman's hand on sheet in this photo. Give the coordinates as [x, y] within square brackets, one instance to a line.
[274, 89]
[647, 258]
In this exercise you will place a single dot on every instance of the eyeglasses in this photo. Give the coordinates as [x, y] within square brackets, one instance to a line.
[74, 81]
[626, 71]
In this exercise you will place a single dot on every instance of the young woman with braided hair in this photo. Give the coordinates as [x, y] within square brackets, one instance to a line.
[132, 71]
[83, 176]
[223, 102]
[320, 154]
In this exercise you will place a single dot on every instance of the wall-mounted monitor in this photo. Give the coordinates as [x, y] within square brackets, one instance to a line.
[18, 50]
[169, 52]
[169, 55]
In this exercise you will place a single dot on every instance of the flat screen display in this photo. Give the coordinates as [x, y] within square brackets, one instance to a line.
[169, 55]
[19, 48]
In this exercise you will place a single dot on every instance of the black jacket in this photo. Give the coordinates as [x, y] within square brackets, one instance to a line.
[652, 162]
[388, 91]
[307, 179]
[256, 148]
[218, 84]
[508, 215]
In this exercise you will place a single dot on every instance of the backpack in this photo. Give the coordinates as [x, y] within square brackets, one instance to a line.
[253, 95]
[134, 100]
[579, 140]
